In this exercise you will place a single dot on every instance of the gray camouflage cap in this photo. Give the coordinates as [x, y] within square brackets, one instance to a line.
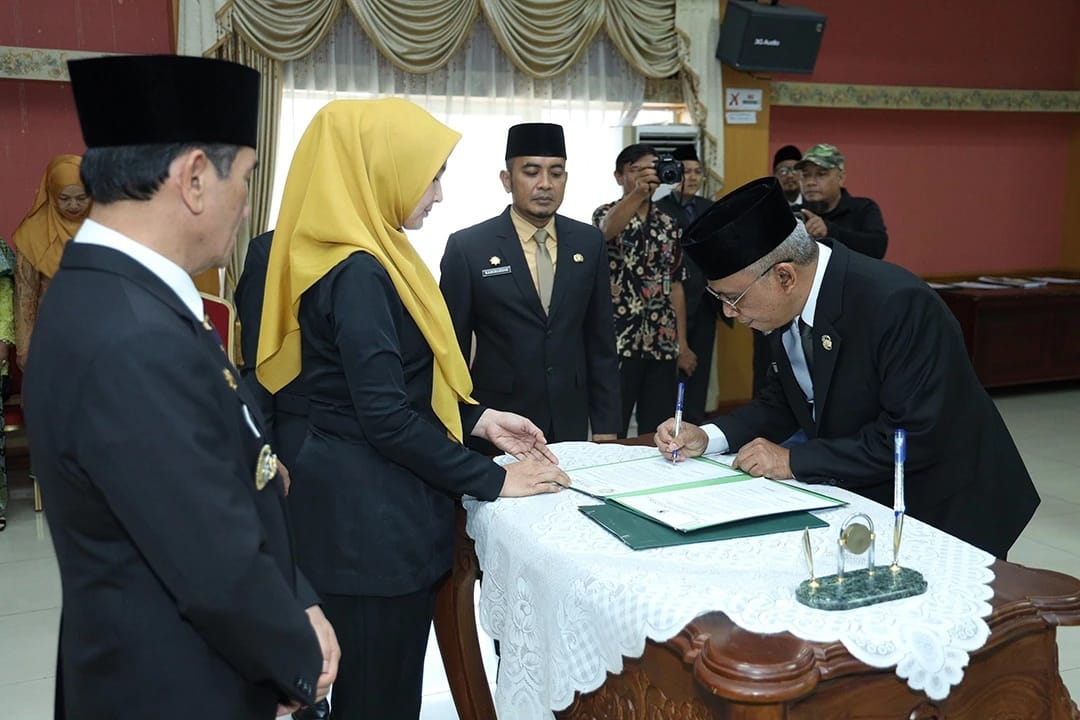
[825, 156]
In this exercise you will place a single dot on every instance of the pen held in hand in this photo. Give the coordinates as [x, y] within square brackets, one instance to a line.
[678, 419]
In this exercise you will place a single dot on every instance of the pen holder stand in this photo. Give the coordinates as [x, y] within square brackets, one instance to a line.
[858, 588]
[865, 586]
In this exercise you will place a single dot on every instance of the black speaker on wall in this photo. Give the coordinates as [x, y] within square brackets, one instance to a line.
[770, 38]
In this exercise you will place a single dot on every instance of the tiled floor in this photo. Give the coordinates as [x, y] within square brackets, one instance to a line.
[1043, 422]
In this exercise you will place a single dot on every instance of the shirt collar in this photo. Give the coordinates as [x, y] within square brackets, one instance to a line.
[93, 233]
[526, 229]
[810, 308]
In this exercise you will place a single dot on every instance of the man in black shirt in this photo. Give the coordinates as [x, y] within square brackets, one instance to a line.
[830, 211]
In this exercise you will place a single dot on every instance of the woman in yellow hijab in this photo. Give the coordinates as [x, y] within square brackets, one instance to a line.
[350, 304]
[59, 208]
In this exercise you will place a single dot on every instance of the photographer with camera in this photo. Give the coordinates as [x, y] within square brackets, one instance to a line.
[685, 205]
[646, 287]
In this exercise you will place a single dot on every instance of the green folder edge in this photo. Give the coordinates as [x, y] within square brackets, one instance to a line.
[641, 533]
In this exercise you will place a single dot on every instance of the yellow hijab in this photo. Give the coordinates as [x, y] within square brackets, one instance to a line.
[42, 234]
[359, 171]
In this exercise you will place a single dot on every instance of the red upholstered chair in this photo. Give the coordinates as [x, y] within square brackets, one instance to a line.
[222, 314]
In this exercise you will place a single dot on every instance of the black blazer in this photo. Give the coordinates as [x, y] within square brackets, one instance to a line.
[888, 354]
[180, 595]
[560, 370]
[377, 477]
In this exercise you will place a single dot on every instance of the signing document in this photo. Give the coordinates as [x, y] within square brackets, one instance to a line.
[697, 493]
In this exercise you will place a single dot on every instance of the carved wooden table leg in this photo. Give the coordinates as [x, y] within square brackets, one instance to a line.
[455, 629]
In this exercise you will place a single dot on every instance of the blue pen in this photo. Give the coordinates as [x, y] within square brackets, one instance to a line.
[899, 456]
[678, 418]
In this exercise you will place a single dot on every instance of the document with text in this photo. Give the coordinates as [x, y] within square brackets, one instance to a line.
[694, 494]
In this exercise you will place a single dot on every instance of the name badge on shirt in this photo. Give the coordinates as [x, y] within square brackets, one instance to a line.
[488, 272]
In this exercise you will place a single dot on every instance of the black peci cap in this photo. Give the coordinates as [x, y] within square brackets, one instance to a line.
[535, 140]
[739, 229]
[159, 99]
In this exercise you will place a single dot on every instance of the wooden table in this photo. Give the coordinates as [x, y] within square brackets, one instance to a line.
[714, 669]
[1020, 336]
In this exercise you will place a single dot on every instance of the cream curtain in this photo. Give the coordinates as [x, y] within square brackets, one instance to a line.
[698, 25]
[543, 39]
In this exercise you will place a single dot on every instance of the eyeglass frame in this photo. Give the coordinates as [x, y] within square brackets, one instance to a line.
[785, 170]
[734, 304]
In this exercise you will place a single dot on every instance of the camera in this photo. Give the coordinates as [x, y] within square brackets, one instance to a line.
[668, 169]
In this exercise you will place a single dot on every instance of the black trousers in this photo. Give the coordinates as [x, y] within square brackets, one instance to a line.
[383, 641]
[651, 385]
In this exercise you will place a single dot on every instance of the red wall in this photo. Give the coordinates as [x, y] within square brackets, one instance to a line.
[960, 191]
[37, 118]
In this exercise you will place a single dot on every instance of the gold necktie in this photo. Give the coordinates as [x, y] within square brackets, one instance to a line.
[545, 271]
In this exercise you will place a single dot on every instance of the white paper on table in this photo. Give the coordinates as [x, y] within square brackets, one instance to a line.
[645, 474]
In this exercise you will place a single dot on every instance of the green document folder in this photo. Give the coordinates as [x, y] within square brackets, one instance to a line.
[640, 533]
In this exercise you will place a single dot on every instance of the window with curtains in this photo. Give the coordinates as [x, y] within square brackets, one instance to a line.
[479, 93]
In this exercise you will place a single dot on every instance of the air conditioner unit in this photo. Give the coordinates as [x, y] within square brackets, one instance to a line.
[665, 138]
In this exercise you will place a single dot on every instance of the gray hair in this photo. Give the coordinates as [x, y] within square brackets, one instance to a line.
[798, 248]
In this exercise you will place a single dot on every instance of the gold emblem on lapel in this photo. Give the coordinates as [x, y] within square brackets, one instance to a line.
[826, 342]
[578, 257]
[229, 378]
[495, 260]
[265, 467]
[206, 323]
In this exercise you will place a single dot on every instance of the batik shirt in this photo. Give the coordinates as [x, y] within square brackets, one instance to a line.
[644, 260]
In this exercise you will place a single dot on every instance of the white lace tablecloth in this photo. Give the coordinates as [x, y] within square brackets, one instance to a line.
[567, 601]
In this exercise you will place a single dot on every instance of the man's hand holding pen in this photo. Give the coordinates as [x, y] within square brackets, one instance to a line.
[690, 442]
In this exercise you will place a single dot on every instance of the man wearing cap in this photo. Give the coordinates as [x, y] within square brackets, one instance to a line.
[861, 348]
[783, 166]
[533, 288]
[646, 290]
[830, 211]
[181, 597]
[685, 205]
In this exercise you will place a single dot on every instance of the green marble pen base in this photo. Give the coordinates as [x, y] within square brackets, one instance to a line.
[861, 587]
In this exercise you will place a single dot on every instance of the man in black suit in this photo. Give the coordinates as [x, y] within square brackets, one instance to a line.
[685, 205]
[286, 410]
[860, 348]
[540, 309]
[181, 597]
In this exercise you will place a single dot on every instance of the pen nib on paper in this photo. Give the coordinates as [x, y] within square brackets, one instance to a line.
[678, 420]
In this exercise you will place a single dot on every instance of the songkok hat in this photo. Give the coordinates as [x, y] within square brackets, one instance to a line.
[788, 152]
[739, 229]
[685, 152]
[825, 156]
[535, 140]
[160, 99]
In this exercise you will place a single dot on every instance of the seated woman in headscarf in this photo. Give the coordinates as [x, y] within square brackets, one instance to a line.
[349, 300]
[59, 208]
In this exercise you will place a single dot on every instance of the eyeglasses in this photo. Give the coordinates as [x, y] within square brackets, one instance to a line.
[734, 304]
[786, 171]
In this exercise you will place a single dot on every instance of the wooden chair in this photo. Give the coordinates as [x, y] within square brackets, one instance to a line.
[222, 314]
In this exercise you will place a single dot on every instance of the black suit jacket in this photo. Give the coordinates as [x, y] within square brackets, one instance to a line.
[180, 595]
[559, 370]
[377, 477]
[286, 410]
[888, 354]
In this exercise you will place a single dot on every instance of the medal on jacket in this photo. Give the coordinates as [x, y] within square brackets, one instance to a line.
[265, 467]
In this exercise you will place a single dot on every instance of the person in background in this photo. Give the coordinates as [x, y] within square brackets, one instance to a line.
[382, 466]
[646, 291]
[534, 288]
[7, 340]
[181, 596]
[830, 211]
[862, 347]
[785, 173]
[59, 208]
[685, 205]
[784, 170]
